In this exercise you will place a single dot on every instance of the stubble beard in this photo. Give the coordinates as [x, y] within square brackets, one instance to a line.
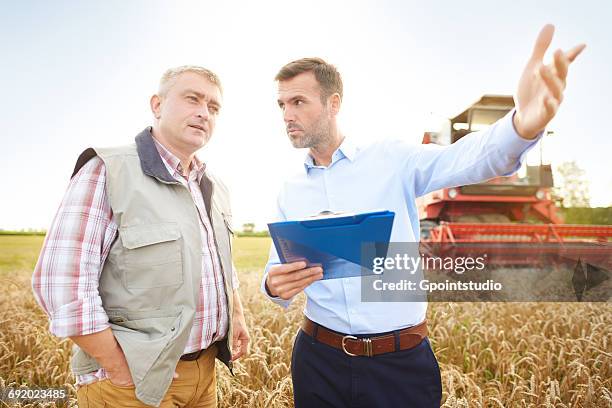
[319, 135]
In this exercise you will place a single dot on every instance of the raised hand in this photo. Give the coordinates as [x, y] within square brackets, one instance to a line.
[540, 89]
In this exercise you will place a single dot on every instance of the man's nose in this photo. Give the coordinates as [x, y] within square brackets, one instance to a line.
[203, 111]
[288, 115]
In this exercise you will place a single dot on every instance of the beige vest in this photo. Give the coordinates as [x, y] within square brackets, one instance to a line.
[150, 281]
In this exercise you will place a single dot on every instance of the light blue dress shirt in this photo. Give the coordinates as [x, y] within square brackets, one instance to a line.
[388, 175]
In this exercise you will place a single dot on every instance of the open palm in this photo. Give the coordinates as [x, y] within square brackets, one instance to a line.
[540, 89]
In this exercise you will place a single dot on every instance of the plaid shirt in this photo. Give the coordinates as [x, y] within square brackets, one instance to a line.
[65, 280]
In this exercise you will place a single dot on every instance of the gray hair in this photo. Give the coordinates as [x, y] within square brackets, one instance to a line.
[169, 77]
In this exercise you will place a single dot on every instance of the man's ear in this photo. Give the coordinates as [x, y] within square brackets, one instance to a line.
[156, 106]
[334, 104]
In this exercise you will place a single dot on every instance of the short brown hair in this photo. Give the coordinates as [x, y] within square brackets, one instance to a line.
[168, 78]
[326, 74]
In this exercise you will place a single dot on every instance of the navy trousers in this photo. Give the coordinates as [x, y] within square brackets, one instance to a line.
[326, 377]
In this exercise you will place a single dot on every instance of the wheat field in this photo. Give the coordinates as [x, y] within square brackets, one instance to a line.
[490, 354]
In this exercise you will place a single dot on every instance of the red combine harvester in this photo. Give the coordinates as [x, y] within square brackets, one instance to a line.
[512, 219]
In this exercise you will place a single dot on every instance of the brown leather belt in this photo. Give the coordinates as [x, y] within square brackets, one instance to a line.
[192, 356]
[368, 346]
[196, 354]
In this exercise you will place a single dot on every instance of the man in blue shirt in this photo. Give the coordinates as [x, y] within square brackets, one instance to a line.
[376, 354]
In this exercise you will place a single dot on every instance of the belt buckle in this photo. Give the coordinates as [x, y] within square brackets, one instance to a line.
[344, 339]
[367, 345]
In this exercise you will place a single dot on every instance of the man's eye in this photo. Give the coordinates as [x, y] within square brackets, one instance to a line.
[299, 102]
[214, 109]
[192, 98]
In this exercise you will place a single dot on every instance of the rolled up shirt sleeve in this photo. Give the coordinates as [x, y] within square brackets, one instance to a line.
[66, 276]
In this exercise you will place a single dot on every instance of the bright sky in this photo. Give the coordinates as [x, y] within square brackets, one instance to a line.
[79, 74]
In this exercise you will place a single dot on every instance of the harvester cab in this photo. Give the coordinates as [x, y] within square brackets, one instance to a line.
[513, 218]
[523, 197]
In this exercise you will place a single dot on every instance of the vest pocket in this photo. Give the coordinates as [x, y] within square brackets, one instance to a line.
[143, 335]
[151, 255]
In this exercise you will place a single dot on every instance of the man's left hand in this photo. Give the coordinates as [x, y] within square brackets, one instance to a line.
[540, 89]
[240, 337]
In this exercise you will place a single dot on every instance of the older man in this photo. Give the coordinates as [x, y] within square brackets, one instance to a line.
[136, 268]
[351, 353]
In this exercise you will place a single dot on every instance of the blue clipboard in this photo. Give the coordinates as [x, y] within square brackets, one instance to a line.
[338, 243]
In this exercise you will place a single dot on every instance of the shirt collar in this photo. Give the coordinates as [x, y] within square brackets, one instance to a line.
[347, 149]
[173, 163]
